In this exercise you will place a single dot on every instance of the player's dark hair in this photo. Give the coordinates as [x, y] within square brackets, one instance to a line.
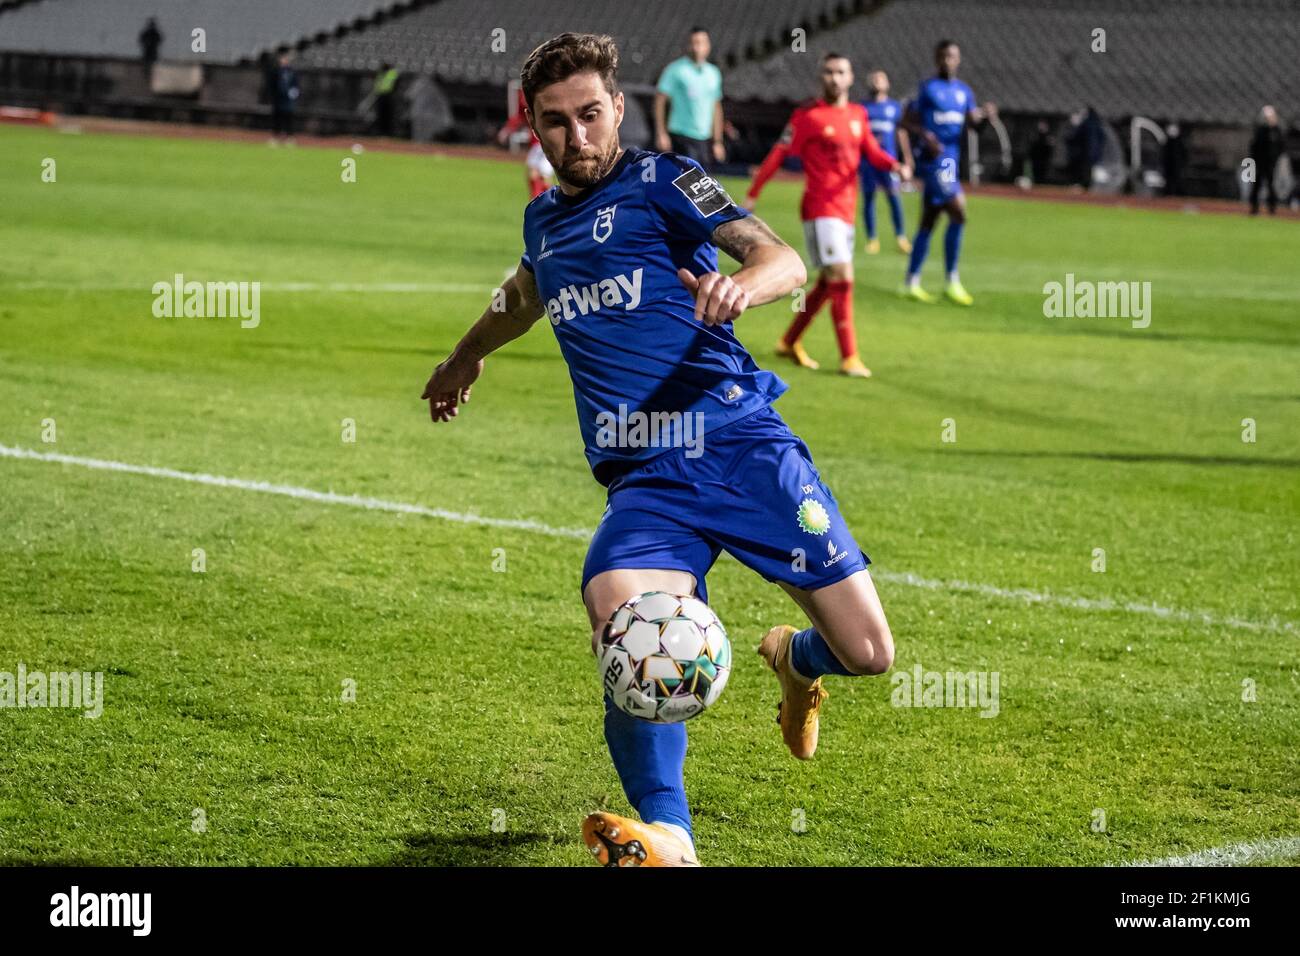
[943, 45]
[833, 56]
[567, 54]
[695, 30]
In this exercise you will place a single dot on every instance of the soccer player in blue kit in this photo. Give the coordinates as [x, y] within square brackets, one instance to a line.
[885, 114]
[621, 258]
[935, 120]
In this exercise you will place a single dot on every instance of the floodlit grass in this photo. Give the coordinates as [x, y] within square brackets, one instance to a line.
[475, 689]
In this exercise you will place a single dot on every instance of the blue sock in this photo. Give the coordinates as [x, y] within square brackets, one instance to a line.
[920, 248]
[810, 656]
[869, 210]
[649, 758]
[952, 246]
[896, 212]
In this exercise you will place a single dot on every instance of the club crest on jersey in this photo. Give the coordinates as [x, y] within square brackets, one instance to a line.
[603, 227]
[856, 128]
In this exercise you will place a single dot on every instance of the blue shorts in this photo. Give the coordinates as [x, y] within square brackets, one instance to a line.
[873, 179]
[941, 182]
[752, 492]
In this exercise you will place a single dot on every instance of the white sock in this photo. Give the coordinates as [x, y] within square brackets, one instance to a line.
[913, 281]
[677, 831]
[952, 277]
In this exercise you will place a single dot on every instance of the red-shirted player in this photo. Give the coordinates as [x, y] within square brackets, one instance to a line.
[539, 167]
[830, 135]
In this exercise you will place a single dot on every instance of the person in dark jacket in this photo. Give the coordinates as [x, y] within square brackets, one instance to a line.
[282, 85]
[1174, 161]
[1040, 152]
[1086, 144]
[1265, 149]
[150, 41]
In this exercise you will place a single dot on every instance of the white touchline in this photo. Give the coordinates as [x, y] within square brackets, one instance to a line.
[1088, 604]
[268, 287]
[893, 577]
[1236, 854]
[291, 491]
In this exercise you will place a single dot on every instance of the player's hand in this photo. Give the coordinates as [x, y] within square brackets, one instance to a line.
[719, 152]
[990, 110]
[749, 202]
[663, 143]
[503, 136]
[718, 298]
[904, 172]
[449, 386]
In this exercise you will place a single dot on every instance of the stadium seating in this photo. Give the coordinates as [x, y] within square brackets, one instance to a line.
[1213, 61]
[453, 38]
[235, 29]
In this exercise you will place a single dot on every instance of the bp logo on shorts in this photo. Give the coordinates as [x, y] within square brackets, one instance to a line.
[813, 517]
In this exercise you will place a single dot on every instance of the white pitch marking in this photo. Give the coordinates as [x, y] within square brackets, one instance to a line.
[291, 491]
[1236, 854]
[1086, 604]
[893, 577]
[145, 287]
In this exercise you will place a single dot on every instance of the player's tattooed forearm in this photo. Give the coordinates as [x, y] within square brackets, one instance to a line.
[740, 236]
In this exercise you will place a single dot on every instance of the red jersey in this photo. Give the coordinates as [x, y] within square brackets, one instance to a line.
[520, 120]
[831, 141]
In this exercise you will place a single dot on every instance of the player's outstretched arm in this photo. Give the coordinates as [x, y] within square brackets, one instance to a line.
[769, 270]
[512, 313]
[766, 170]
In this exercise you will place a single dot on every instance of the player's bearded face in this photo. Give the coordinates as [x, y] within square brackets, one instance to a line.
[588, 164]
[837, 77]
[577, 122]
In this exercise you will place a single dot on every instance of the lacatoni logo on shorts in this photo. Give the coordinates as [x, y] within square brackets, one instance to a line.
[77, 690]
[624, 429]
[1083, 299]
[75, 908]
[208, 300]
[836, 555]
[575, 300]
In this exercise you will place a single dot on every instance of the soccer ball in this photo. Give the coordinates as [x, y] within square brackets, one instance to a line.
[664, 657]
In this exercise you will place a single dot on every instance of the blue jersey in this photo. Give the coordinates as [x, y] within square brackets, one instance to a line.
[942, 106]
[884, 116]
[605, 262]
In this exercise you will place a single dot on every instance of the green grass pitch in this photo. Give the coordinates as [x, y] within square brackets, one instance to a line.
[475, 735]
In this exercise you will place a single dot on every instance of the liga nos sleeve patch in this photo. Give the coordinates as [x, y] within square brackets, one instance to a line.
[705, 193]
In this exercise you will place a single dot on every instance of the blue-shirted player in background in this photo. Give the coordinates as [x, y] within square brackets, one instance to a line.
[621, 257]
[935, 119]
[885, 115]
